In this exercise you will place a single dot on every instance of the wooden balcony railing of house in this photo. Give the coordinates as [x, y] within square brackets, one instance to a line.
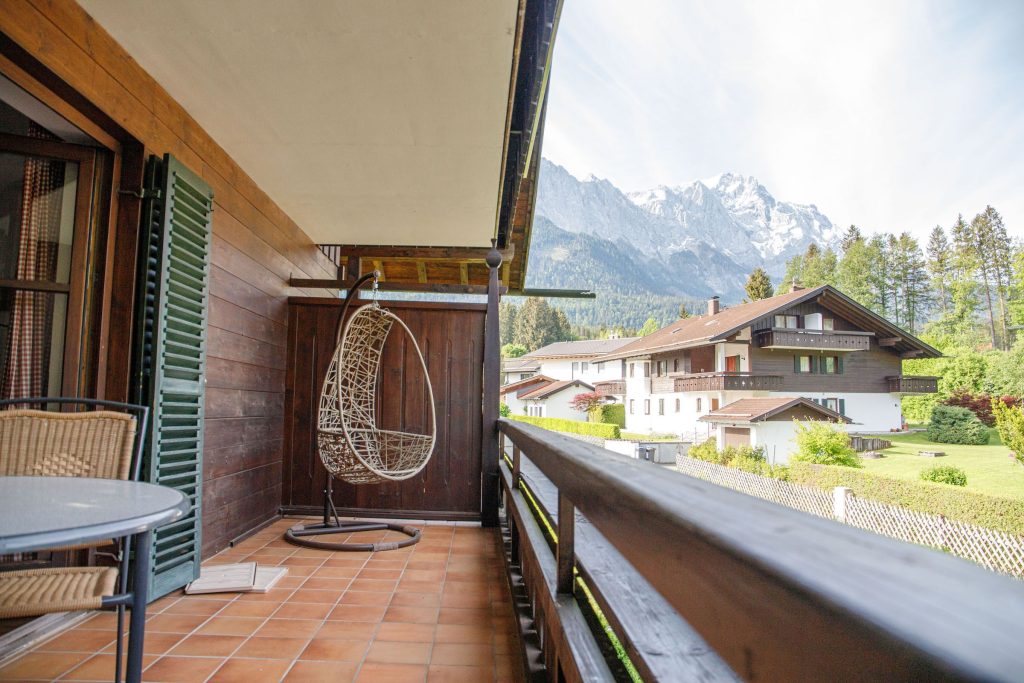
[611, 386]
[911, 384]
[690, 581]
[825, 340]
[716, 381]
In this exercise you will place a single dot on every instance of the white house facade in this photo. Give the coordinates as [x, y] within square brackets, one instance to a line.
[816, 344]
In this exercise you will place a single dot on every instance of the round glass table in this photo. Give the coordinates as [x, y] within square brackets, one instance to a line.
[51, 512]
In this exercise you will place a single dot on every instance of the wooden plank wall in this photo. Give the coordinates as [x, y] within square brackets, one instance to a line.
[451, 337]
[256, 249]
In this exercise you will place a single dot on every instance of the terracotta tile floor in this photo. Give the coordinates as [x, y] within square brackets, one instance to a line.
[437, 612]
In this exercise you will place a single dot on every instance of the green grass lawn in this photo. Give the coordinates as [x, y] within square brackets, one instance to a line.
[989, 468]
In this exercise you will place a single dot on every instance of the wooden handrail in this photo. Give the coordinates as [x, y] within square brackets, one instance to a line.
[781, 595]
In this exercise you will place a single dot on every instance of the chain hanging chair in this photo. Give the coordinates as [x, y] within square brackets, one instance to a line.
[350, 444]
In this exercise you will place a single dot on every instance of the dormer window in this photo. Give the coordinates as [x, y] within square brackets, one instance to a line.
[828, 323]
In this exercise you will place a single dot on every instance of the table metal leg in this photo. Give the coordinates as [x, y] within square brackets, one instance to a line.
[142, 543]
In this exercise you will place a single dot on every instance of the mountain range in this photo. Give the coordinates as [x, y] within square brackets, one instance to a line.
[675, 243]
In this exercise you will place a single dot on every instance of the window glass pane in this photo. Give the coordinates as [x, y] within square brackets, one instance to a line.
[830, 364]
[805, 363]
[31, 342]
[828, 324]
[37, 214]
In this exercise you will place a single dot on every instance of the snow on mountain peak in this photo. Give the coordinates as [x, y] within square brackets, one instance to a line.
[729, 213]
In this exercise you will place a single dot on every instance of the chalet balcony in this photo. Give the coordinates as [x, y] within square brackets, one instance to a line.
[911, 384]
[716, 381]
[612, 386]
[823, 340]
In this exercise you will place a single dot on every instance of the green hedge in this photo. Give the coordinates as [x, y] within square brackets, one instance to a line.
[1003, 514]
[610, 413]
[557, 424]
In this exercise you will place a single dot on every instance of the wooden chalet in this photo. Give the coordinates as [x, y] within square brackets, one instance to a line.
[296, 146]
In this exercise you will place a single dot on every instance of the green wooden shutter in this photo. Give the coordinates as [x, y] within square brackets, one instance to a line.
[171, 355]
[796, 364]
[839, 364]
[842, 406]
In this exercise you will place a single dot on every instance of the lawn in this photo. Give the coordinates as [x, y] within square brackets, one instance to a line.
[989, 468]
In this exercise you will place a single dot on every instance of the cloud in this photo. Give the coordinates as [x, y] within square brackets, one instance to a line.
[894, 116]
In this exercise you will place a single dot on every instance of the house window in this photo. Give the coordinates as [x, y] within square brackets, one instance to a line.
[675, 365]
[584, 366]
[647, 369]
[600, 367]
[662, 368]
[678, 404]
[698, 404]
[647, 406]
[836, 405]
[632, 406]
[575, 367]
[789, 322]
[661, 406]
[714, 404]
[803, 364]
[828, 324]
[632, 369]
[832, 365]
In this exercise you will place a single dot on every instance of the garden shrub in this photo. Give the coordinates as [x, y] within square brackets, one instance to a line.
[952, 424]
[1010, 425]
[993, 512]
[504, 410]
[980, 404]
[918, 409]
[822, 444]
[557, 424]
[945, 474]
[706, 451]
[610, 413]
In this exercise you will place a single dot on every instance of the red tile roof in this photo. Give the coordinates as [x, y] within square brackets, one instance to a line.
[760, 409]
[554, 388]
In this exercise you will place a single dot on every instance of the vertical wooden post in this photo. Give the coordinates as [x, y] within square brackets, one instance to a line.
[492, 376]
[566, 544]
[515, 466]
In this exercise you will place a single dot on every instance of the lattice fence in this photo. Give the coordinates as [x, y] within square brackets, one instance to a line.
[992, 549]
[806, 498]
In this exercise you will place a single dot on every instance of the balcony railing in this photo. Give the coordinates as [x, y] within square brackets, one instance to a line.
[910, 384]
[825, 340]
[698, 582]
[716, 381]
[611, 386]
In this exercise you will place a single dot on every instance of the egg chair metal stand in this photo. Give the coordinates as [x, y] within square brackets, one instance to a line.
[350, 444]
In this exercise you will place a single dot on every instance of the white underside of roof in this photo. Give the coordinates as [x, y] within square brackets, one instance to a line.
[367, 121]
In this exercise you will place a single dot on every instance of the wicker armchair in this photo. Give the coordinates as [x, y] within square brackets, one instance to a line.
[104, 443]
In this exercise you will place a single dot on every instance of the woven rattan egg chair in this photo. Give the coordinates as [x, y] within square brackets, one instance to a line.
[350, 444]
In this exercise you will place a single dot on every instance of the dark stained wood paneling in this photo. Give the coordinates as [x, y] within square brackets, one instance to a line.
[451, 339]
[863, 371]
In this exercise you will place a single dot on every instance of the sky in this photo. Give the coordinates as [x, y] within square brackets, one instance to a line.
[894, 115]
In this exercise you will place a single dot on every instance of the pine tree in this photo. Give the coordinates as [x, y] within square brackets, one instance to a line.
[981, 230]
[999, 256]
[853, 274]
[963, 287]
[684, 312]
[507, 321]
[539, 324]
[850, 237]
[759, 285]
[938, 266]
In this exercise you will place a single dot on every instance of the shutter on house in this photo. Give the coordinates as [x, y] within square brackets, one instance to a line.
[796, 364]
[814, 364]
[171, 355]
[842, 406]
[839, 365]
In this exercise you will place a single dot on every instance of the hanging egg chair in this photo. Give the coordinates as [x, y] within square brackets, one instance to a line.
[350, 444]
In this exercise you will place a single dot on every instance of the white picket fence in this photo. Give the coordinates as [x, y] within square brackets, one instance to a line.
[995, 550]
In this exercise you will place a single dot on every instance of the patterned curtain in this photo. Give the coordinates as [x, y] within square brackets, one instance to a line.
[29, 344]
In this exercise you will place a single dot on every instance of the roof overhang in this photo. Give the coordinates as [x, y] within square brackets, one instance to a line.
[765, 415]
[404, 125]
